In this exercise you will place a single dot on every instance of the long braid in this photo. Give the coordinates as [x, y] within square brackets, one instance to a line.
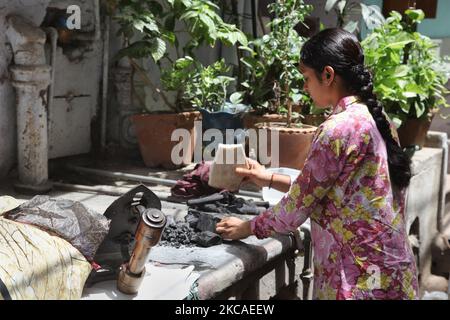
[360, 79]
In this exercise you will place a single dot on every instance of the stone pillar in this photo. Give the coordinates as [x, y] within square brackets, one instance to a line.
[30, 77]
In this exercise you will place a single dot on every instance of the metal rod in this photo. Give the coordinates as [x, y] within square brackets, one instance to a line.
[146, 179]
[112, 191]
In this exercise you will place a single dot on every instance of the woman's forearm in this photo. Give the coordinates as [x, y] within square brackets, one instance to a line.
[280, 182]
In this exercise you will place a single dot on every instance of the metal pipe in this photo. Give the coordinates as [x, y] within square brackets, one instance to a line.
[97, 33]
[112, 191]
[146, 179]
[53, 34]
[148, 235]
[105, 84]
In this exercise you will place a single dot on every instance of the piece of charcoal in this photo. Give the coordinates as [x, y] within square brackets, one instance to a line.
[207, 222]
[208, 239]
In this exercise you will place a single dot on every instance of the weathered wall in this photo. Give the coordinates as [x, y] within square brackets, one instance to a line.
[33, 10]
[76, 86]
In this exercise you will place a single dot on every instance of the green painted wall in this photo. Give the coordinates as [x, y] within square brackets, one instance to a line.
[438, 27]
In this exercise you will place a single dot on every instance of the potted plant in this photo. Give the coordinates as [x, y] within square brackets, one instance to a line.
[408, 79]
[275, 83]
[206, 90]
[149, 30]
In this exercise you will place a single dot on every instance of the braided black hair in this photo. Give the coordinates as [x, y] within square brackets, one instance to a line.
[342, 51]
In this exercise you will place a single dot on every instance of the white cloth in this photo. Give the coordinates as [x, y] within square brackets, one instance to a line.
[160, 283]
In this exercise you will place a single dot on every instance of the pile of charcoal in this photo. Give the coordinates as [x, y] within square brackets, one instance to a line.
[177, 234]
[198, 229]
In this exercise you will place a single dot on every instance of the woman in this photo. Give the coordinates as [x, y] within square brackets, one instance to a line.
[352, 185]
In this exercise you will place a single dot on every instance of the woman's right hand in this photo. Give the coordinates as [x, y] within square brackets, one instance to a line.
[256, 173]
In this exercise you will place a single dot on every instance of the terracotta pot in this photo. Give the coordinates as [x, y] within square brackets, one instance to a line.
[294, 143]
[250, 119]
[154, 133]
[414, 131]
[314, 119]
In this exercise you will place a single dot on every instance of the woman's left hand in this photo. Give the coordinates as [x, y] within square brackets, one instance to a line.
[233, 228]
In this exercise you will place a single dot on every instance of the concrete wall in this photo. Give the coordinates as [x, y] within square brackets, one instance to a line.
[76, 86]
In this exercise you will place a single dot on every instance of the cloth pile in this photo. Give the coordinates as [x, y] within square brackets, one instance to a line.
[194, 184]
[82, 227]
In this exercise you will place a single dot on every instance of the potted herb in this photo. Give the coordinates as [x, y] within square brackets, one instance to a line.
[408, 80]
[149, 29]
[275, 83]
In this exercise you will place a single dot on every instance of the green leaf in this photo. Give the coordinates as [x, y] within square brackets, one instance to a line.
[236, 97]
[341, 6]
[399, 44]
[245, 84]
[409, 94]
[183, 63]
[149, 24]
[351, 26]
[241, 38]
[169, 36]
[372, 16]
[158, 49]
[296, 97]
[401, 71]
[138, 49]
[420, 108]
[249, 62]
[187, 3]
[209, 23]
[246, 48]
[416, 15]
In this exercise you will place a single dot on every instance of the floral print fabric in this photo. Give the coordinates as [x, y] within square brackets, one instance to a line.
[361, 248]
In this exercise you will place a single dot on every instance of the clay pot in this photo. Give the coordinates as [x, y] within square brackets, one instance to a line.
[294, 143]
[414, 131]
[250, 119]
[154, 133]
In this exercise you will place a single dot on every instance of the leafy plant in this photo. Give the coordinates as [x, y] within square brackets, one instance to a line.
[274, 80]
[204, 87]
[150, 27]
[409, 79]
[371, 15]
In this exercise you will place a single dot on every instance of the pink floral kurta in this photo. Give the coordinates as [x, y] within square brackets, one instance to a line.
[361, 248]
